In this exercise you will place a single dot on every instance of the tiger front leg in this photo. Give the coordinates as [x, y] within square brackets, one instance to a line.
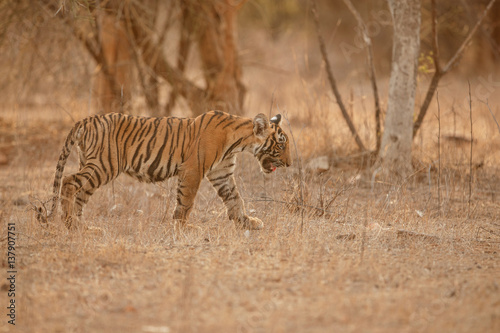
[223, 182]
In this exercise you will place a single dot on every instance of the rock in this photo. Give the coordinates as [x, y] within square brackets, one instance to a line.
[318, 164]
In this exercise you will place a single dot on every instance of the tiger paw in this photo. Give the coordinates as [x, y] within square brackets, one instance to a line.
[252, 223]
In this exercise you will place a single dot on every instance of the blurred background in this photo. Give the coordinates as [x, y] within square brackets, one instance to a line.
[183, 57]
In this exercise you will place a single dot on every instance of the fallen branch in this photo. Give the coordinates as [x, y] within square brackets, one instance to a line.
[324, 211]
[406, 234]
[332, 81]
[487, 230]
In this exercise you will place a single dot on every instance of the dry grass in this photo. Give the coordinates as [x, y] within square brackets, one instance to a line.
[351, 269]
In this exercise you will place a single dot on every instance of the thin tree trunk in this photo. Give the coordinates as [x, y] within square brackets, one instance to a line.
[185, 40]
[395, 152]
[113, 88]
[217, 46]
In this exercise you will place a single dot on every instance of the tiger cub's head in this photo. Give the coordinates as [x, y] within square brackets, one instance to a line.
[274, 150]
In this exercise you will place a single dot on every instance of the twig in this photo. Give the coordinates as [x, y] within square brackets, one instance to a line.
[301, 185]
[363, 237]
[439, 152]
[332, 81]
[490, 231]
[319, 209]
[494, 118]
[137, 56]
[440, 72]
[91, 42]
[487, 35]
[373, 79]
[270, 112]
[161, 67]
[401, 233]
[471, 142]
[272, 104]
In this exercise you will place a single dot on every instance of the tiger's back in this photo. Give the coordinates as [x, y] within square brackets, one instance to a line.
[154, 149]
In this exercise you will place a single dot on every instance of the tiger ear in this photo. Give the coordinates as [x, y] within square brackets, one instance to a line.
[276, 119]
[260, 125]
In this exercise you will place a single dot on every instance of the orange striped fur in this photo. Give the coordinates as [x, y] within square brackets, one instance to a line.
[154, 149]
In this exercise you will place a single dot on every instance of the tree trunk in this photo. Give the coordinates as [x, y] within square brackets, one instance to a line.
[114, 78]
[395, 153]
[219, 55]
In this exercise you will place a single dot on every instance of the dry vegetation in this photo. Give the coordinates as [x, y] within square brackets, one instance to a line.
[363, 255]
[341, 250]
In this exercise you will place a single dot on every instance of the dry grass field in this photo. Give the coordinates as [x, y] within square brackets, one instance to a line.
[341, 250]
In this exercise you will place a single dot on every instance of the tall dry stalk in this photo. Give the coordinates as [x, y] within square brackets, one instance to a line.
[471, 143]
[439, 153]
[301, 177]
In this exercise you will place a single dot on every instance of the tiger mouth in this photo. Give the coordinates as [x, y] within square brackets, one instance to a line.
[269, 167]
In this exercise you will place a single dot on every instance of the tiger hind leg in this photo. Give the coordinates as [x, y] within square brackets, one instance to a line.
[68, 191]
[75, 193]
[81, 200]
[186, 192]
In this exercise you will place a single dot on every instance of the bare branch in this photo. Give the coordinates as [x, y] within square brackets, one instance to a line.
[367, 40]
[449, 65]
[495, 48]
[91, 45]
[333, 84]
[435, 44]
[491, 112]
[454, 60]
[157, 62]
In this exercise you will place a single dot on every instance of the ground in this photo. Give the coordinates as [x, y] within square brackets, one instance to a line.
[341, 250]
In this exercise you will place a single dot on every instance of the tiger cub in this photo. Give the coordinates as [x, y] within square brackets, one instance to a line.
[154, 149]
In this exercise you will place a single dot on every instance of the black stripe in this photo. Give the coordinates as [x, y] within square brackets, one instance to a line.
[157, 160]
[243, 124]
[208, 123]
[234, 145]
[215, 159]
[78, 181]
[226, 176]
[220, 122]
[201, 121]
[230, 123]
[118, 157]
[151, 142]
[136, 153]
[179, 129]
[109, 144]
